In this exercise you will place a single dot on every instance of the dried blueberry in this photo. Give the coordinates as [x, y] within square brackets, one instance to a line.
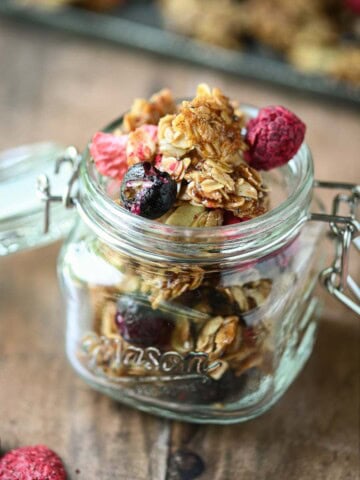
[147, 192]
[228, 388]
[184, 464]
[140, 325]
[210, 300]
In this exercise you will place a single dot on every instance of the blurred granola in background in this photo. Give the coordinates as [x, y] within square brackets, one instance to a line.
[97, 5]
[316, 36]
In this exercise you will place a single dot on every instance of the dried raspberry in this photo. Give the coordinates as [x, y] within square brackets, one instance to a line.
[353, 5]
[141, 325]
[30, 463]
[109, 154]
[274, 137]
[142, 144]
[231, 219]
[249, 336]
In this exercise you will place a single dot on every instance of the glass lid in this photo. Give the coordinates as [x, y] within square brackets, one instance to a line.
[21, 209]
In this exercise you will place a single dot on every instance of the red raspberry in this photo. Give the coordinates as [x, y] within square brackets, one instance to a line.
[31, 463]
[353, 5]
[109, 154]
[231, 219]
[249, 336]
[274, 137]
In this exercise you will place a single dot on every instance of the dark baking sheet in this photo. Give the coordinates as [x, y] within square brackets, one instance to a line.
[138, 24]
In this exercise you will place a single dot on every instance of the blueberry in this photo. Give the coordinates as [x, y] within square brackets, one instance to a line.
[210, 300]
[140, 325]
[147, 192]
[229, 388]
[183, 464]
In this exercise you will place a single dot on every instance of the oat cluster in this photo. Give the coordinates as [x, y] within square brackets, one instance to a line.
[227, 342]
[145, 112]
[170, 283]
[97, 5]
[316, 36]
[206, 134]
[200, 145]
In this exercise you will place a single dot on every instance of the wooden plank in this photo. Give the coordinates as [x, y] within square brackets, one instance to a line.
[41, 398]
[313, 431]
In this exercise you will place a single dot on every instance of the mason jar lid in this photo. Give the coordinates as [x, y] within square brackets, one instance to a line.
[21, 210]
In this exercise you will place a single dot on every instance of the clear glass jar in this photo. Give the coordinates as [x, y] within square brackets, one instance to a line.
[205, 325]
[200, 324]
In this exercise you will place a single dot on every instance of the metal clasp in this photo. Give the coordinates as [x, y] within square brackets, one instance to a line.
[345, 230]
[68, 198]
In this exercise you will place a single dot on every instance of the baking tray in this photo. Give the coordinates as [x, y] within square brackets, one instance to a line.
[138, 24]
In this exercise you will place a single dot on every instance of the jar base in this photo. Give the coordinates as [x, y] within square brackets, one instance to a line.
[269, 391]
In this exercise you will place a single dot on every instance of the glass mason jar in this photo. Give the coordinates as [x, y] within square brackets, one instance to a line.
[200, 324]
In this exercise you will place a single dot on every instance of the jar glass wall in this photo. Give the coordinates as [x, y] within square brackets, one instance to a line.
[201, 324]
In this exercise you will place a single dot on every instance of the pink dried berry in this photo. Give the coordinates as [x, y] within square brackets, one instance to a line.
[30, 463]
[274, 137]
[109, 154]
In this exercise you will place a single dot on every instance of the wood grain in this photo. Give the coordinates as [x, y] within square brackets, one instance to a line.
[57, 87]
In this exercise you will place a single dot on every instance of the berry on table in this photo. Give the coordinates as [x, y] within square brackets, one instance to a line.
[31, 463]
[147, 192]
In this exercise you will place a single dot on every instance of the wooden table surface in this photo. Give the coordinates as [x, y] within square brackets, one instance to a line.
[57, 87]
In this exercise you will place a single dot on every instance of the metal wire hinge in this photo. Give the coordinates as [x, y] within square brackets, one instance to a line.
[345, 230]
[68, 198]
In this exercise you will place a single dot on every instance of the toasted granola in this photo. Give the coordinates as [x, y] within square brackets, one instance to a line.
[215, 186]
[208, 125]
[329, 60]
[290, 28]
[198, 153]
[218, 336]
[167, 284]
[149, 111]
[98, 5]
[226, 341]
[252, 294]
[175, 167]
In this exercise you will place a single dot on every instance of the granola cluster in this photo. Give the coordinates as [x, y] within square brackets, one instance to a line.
[206, 125]
[316, 36]
[214, 186]
[145, 112]
[171, 158]
[97, 5]
[205, 138]
[196, 342]
[171, 283]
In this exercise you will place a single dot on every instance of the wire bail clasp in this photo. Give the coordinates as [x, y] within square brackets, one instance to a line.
[345, 230]
[68, 198]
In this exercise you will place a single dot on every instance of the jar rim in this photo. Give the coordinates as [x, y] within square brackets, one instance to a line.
[147, 238]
